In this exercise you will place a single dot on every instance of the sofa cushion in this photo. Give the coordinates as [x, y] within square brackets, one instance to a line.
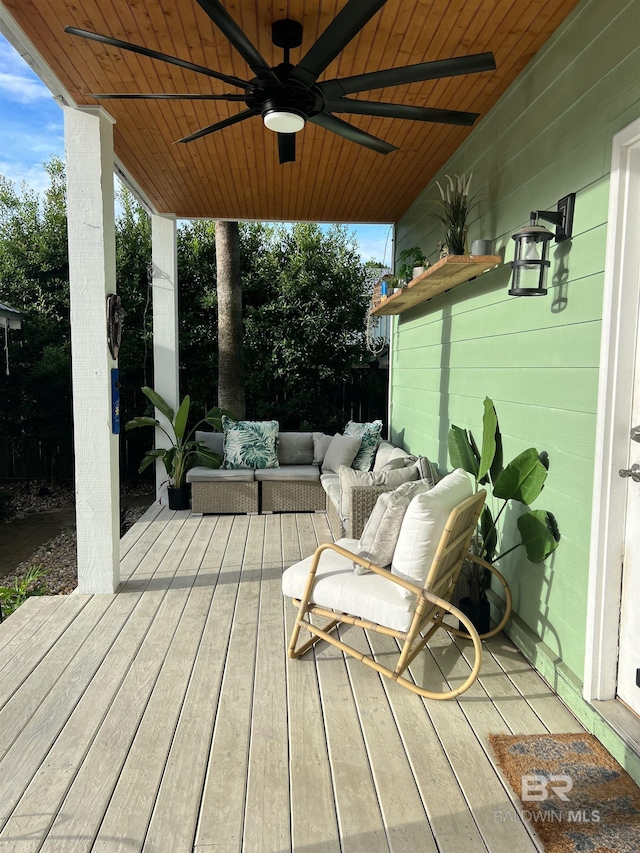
[336, 586]
[329, 479]
[213, 440]
[306, 473]
[200, 474]
[250, 444]
[320, 444]
[295, 448]
[369, 435]
[341, 451]
[380, 535]
[350, 478]
[387, 452]
[423, 524]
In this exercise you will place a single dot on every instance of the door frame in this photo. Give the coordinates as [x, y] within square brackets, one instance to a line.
[619, 336]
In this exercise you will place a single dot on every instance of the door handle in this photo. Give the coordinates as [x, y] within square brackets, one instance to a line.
[633, 472]
[635, 433]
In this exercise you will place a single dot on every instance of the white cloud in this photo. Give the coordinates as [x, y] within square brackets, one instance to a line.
[16, 87]
[18, 82]
[34, 176]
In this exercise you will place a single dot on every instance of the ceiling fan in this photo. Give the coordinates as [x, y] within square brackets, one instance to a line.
[287, 96]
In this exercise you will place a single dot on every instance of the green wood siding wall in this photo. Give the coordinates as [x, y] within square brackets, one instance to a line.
[549, 135]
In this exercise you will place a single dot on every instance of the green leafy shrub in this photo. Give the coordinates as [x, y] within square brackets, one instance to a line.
[11, 597]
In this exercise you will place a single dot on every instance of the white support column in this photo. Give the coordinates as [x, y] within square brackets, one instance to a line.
[92, 275]
[164, 249]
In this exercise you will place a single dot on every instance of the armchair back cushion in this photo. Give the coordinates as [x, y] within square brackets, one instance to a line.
[423, 524]
[380, 535]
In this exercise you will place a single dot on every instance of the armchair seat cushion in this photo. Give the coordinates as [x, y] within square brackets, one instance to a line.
[337, 587]
[201, 474]
[303, 473]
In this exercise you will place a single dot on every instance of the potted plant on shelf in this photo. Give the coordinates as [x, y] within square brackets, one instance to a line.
[414, 263]
[455, 205]
[520, 480]
[183, 451]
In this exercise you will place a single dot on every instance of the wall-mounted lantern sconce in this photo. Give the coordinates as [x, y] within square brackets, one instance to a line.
[531, 259]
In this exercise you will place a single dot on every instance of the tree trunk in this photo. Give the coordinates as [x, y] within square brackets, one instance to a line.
[229, 286]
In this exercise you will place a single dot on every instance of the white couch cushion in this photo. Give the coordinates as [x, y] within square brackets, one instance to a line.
[200, 474]
[368, 596]
[306, 473]
[329, 480]
[423, 524]
[386, 452]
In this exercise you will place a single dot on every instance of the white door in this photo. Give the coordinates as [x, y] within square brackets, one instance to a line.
[629, 657]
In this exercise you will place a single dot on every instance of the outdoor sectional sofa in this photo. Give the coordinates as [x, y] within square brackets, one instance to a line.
[302, 482]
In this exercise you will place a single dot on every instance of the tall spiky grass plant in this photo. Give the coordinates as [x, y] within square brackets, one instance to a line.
[455, 205]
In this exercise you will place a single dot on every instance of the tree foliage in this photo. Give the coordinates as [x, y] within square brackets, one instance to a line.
[305, 298]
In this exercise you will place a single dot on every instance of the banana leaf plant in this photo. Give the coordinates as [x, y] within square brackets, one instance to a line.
[520, 480]
[184, 452]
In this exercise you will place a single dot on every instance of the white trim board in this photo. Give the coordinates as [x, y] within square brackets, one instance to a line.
[619, 335]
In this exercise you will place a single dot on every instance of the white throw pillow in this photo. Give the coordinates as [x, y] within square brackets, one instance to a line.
[341, 451]
[380, 535]
[349, 478]
[321, 442]
[423, 524]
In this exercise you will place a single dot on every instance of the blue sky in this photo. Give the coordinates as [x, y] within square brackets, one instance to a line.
[31, 131]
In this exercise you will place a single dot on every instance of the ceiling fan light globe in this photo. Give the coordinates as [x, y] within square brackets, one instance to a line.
[283, 121]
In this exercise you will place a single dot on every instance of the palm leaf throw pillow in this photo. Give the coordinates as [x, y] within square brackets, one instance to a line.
[369, 435]
[250, 444]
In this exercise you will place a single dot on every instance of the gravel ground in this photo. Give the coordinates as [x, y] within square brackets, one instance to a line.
[58, 555]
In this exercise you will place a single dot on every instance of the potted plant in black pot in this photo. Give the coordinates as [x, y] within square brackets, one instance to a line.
[520, 480]
[183, 451]
[455, 205]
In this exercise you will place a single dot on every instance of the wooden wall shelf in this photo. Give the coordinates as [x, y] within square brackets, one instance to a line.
[448, 272]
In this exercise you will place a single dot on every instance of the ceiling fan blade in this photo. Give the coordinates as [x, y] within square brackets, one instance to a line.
[409, 74]
[405, 111]
[345, 26]
[353, 134]
[225, 23]
[164, 97]
[287, 147]
[154, 54]
[219, 125]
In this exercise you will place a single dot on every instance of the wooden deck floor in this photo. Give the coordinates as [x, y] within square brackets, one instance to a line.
[168, 718]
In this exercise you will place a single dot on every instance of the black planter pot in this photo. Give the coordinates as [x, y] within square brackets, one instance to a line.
[179, 498]
[479, 614]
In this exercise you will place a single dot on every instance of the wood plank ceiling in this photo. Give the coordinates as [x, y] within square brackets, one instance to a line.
[234, 173]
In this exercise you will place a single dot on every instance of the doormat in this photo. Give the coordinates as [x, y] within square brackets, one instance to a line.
[573, 792]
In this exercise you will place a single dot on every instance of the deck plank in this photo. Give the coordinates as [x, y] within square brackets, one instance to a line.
[267, 823]
[402, 810]
[23, 618]
[223, 803]
[84, 806]
[124, 825]
[314, 823]
[449, 818]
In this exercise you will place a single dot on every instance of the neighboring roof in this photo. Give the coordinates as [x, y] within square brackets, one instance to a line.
[11, 317]
[234, 173]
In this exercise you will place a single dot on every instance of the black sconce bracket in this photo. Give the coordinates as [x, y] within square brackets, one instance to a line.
[562, 218]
